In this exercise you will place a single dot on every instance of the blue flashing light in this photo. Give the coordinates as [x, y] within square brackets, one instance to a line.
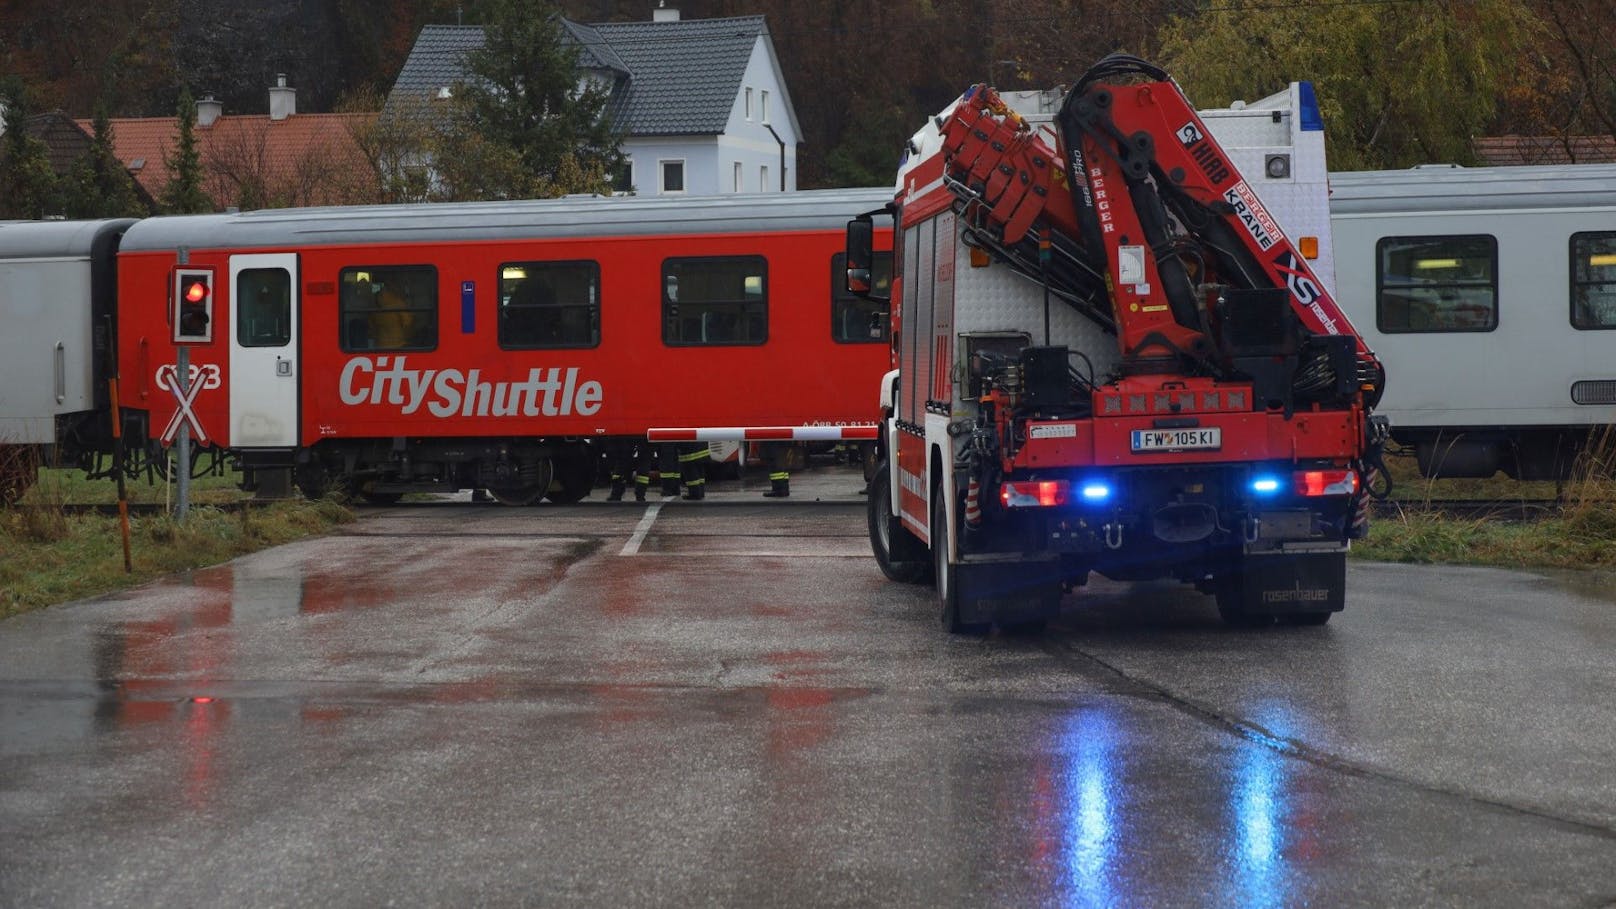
[1096, 492]
[1309, 116]
[1265, 485]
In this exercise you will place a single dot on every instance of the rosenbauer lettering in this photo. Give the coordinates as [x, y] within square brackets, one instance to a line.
[550, 392]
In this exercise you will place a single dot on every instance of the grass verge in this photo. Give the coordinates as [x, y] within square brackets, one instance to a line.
[1582, 535]
[48, 557]
[1579, 538]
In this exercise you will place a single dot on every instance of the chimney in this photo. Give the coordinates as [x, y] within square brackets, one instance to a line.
[663, 13]
[282, 100]
[208, 109]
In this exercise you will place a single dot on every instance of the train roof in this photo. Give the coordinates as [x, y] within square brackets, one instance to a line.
[54, 239]
[518, 220]
[1435, 189]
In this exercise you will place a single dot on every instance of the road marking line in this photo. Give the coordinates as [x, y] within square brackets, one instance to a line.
[632, 547]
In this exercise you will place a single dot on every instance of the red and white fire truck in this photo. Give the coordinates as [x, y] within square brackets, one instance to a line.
[1112, 357]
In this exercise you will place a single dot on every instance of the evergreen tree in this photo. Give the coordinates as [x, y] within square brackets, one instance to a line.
[536, 133]
[100, 187]
[184, 194]
[29, 188]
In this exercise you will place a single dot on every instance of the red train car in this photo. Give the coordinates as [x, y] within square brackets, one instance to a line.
[493, 345]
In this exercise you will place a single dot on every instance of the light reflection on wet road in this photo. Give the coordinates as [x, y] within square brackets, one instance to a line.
[496, 706]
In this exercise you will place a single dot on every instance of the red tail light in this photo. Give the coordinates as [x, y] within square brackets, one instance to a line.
[1034, 493]
[1314, 483]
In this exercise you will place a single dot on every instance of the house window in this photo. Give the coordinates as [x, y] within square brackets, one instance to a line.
[623, 177]
[749, 104]
[549, 305]
[720, 300]
[388, 307]
[264, 307]
[672, 176]
[763, 179]
[1593, 280]
[856, 320]
[763, 105]
[737, 176]
[1436, 284]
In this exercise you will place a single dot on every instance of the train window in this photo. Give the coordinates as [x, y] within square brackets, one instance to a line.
[1443, 283]
[1593, 280]
[549, 304]
[855, 320]
[264, 307]
[721, 300]
[388, 307]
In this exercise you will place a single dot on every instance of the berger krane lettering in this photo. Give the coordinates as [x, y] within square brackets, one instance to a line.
[449, 392]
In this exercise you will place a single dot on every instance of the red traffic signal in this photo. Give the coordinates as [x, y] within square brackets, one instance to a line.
[192, 311]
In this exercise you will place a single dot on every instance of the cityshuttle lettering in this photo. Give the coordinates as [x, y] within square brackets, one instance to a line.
[552, 392]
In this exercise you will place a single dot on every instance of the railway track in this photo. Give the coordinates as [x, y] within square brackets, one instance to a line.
[1513, 510]
[136, 509]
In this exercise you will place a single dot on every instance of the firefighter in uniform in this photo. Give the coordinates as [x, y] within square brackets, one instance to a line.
[778, 455]
[693, 469]
[668, 468]
[629, 461]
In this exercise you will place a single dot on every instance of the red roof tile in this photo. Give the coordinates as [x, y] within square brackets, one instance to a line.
[304, 159]
[1497, 151]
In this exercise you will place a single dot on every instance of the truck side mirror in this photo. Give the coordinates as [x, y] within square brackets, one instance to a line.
[860, 256]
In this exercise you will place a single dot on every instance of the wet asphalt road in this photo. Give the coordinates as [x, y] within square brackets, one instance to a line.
[726, 704]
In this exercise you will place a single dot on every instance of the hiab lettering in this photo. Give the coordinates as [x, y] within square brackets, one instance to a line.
[446, 393]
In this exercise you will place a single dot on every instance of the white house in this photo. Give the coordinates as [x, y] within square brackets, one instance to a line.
[701, 103]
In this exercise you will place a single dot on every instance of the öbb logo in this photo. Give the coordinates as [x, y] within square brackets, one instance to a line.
[449, 392]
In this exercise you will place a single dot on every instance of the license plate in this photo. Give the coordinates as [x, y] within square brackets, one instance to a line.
[1177, 439]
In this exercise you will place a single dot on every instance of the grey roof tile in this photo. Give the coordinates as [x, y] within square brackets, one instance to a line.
[437, 59]
[677, 78]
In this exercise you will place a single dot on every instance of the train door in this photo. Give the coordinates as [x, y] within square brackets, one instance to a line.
[263, 351]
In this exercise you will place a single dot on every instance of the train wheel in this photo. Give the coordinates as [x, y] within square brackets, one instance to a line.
[515, 495]
[878, 511]
[380, 498]
[315, 482]
[574, 478]
[527, 487]
[949, 594]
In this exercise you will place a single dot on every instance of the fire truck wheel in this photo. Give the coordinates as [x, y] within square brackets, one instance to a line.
[574, 478]
[878, 511]
[949, 594]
